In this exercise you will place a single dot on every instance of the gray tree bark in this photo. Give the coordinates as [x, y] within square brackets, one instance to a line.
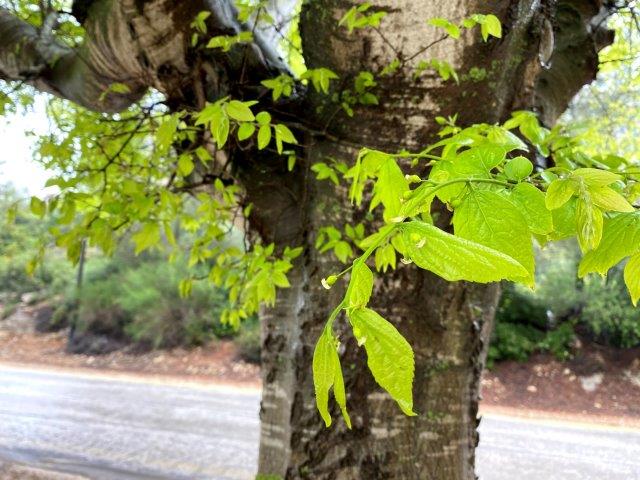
[144, 43]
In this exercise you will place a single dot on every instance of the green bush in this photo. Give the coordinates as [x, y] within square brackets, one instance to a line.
[248, 341]
[607, 315]
[513, 341]
[597, 308]
[136, 299]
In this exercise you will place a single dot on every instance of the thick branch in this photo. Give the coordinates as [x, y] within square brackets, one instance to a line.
[35, 57]
[138, 43]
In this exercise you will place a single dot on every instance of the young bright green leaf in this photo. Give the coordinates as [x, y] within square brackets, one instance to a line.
[385, 257]
[326, 374]
[37, 207]
[184, 287]
[609, 200]
[589, 222]
[564, 221]
[452, 30]
[240, 111]
[165, 133]
[419, 202]
[185, 165]
[559, 192]
[245, 131]
[264, 136]
[146, 237]
[283, 134]
[360, 286]
[343, 251]
[454, 258]
[491, 26]
[389, 355]
[389, 189]
[531, 203]
[518, 168]
[488, 218]
[632, 277]
[595, 177]
[220, 129]
[475, 162]
[620, 239]
[263, 118]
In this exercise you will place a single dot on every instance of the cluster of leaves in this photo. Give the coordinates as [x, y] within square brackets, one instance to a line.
[127, 173]
[500, 206]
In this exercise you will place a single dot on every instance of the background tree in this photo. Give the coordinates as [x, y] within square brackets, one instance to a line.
[383, 79]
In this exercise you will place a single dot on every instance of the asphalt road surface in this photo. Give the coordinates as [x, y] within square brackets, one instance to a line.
[107, 429]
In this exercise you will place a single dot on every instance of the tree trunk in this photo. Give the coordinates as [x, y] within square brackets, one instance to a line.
[144, 43]
[443, 322]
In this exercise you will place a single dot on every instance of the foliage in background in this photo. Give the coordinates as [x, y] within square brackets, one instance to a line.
[604, 115]
[126, 297]
[19, 242]
[562, 306]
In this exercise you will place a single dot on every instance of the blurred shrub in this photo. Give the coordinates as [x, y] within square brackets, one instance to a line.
[136, 299]
[599, 309]
[513, 341]
[248, 341]
[607, 315]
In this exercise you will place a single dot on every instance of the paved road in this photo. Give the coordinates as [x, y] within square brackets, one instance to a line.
[110, 429]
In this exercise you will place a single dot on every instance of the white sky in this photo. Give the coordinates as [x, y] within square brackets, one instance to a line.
[16, 157]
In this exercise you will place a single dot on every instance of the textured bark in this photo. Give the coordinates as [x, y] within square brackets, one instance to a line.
[144, 43]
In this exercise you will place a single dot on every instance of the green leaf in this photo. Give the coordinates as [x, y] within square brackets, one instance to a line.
[620, 239]
[454, 258]
[291, 162]
[389, 356]
[518, 168]
[37, 207]
[476, 162]
[280, 279]
[564, 221]
[264, 136]
[589, 223]
[491, 26]
[185, 165]
[596, 178]
[609, 200]
[531, 202]
[343, 251]
[263, 118]
[283, 134]
[146, 237]
[385, 257]
[184, 287]
[320, 78]
[559, 192]
[488, 218]
[165, 133]
[389, 189]
[452, 30]
[632, 277]
[240, 111]
[220, 129]
[360, 285]
[326, 374]
[245, 131]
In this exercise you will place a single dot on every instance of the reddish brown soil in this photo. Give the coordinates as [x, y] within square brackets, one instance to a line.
[541, 387]
[217, 362]
[545, 385]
